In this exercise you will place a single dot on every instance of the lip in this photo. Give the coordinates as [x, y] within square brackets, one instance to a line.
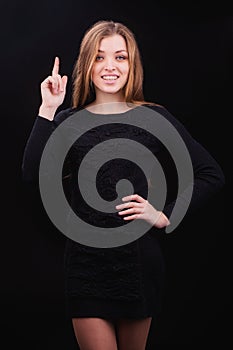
[110, 81]
[109, 75]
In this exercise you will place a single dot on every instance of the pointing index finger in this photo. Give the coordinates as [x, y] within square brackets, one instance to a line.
[55, 70]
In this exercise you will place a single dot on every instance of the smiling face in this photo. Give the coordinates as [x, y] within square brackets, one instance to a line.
[110, 69]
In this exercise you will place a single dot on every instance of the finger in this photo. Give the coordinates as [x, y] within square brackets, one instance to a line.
[132, 217]
[64, 80]
[55, 70]
[60, 84]
[129, 205]
[135, 197]
[48, 81]
[51, 83]
[130, 211]
[55, 84]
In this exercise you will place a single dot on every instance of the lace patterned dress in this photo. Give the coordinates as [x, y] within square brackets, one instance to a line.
[124, 281]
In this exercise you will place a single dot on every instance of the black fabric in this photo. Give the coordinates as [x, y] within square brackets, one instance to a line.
[132, 274]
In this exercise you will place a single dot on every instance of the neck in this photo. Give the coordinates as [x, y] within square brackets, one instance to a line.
[103, 98]
[109, 103]
[110, 108]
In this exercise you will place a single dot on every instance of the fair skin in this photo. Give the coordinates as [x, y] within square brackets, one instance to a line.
[110, 70]
[109, 75]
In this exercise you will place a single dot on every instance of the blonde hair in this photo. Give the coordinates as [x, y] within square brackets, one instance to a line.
[83, 93]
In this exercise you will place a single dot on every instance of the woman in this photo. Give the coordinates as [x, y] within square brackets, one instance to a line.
[112, 294]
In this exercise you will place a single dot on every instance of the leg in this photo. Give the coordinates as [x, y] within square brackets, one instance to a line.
[132, 334]
[94, 334]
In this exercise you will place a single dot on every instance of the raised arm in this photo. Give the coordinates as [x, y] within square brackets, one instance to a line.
[53, 90]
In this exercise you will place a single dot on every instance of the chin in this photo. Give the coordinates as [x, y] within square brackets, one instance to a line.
[111, 90]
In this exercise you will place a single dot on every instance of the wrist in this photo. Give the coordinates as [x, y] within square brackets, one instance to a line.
[47, 112]
[162, 220]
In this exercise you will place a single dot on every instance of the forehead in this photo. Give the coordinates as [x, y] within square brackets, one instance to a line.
[113, 43]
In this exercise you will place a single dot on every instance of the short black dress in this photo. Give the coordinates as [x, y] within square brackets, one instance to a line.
[123, 281]
[116, 282]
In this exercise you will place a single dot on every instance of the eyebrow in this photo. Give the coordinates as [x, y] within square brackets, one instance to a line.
[118, 51]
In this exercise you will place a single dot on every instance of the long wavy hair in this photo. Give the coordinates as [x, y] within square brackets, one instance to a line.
[83, 91]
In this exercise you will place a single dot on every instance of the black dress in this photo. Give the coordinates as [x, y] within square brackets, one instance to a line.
[123, 281]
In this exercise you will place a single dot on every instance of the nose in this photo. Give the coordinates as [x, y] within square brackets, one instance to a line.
[109, 64]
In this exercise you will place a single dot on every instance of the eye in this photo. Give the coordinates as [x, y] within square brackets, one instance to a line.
[121, 58]
[99, 58]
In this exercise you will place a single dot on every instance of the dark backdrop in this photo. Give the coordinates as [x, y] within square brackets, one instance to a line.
[187, 57]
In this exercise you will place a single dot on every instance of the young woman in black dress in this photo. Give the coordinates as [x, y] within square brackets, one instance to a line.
[112, 294]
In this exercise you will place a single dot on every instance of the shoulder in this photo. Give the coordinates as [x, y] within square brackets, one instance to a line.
[64, 114]
[163, 111]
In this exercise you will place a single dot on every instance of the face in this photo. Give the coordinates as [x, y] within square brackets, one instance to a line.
[111, 67]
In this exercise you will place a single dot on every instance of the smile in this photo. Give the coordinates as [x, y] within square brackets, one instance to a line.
[109, 77]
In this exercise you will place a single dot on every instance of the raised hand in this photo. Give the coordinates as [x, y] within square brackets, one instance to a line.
[53, 90]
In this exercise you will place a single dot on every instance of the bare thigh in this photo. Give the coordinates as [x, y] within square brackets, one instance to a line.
[132, 334]
[94, 333]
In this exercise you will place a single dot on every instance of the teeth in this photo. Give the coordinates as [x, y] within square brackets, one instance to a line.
[109, 77]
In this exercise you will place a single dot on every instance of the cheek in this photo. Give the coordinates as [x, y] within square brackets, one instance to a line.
[125, 69]
[93, 72]
[96, 72]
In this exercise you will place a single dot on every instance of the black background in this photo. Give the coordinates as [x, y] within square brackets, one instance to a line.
[187, 57]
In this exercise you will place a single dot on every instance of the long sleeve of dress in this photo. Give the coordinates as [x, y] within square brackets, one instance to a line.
[41, 131]
[208, 175]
